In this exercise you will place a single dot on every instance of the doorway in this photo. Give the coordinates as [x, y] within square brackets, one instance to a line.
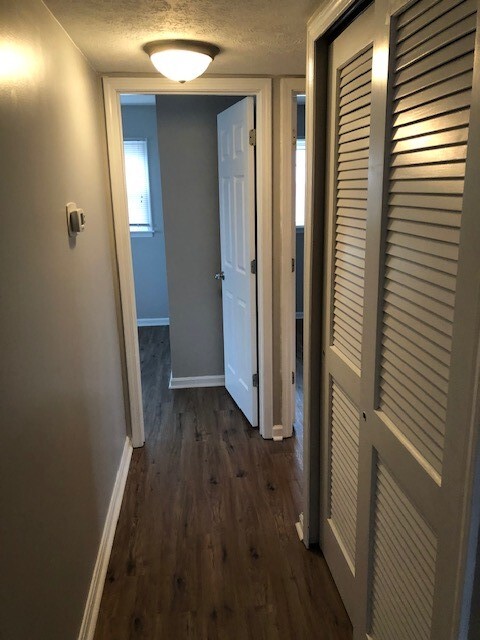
[293, 154]
[190, 181]
[260, 89]
[300, 157]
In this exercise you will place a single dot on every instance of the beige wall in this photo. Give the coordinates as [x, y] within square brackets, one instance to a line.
[187, 133]
[61, 397]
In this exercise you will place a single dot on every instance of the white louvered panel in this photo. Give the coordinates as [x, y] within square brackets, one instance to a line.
[353, 122]
[344, 434]
[403, 573]
[432, 92]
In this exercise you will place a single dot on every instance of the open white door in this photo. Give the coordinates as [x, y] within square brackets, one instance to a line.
[236, 175]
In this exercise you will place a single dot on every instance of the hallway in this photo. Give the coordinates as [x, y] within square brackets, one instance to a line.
[206, 545]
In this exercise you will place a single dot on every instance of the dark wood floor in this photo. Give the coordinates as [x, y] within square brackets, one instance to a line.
[206, 546]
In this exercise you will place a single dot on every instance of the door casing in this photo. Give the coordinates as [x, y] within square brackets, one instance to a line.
[261, 89]
[289, 89]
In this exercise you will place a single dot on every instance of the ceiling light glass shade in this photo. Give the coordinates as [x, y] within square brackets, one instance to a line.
[180, 65]
[181, 60]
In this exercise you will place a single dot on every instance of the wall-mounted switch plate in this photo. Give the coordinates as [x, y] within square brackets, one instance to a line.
[75, 219]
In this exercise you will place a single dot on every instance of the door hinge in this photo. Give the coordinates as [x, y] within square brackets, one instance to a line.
[255, 380]
[253, 266]
[293, 265]
[293, 377]
[252, 137]
[294, 137]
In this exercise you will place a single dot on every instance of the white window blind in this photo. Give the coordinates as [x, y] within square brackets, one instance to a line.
[300, 184]
[138, 185]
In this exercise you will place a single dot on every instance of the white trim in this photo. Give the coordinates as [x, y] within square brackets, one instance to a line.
[261, 88]
[322, 20]
[153, 322]
[196, 381]
[299, 315]
[289, 87]
[278, 432]
[299, 527]
[92, 606]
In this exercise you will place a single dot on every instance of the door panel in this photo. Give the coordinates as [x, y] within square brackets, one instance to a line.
[403, 568]
[344, 468]
[350, 78]
[421, 256]
[409, 580]
[236, 167]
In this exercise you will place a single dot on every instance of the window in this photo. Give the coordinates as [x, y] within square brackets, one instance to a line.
[138, 186]
[300, 184]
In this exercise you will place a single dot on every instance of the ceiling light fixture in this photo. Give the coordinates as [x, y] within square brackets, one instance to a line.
[181, 60]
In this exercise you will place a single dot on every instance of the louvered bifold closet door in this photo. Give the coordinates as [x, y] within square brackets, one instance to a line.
[410, 509]
[350, 85]
[432, 92]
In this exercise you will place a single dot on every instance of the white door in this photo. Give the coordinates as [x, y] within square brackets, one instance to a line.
[236, 175]
[399, 336]
[418, 346]
[350, 82]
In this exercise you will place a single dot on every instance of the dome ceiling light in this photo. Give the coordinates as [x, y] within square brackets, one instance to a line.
[181, 60]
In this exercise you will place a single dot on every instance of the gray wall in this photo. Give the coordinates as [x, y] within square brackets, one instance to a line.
[149, 266]
[61, 389]
[300, 120]
[187, 133]
[300, 243]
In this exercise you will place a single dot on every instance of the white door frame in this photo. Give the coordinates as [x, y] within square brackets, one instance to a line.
[261, 89]
[289, 88]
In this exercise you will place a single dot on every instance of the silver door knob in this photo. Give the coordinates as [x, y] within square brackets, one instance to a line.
[220, 276]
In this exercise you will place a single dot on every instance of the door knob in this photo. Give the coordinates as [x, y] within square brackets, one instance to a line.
[220, 276]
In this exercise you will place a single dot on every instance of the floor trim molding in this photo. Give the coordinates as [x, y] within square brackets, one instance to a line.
[153, 322]
[196, 381]
[92, 606]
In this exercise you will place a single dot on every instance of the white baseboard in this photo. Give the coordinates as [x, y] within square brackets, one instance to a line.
[277, 432]
[299, 527]
[299, 315]
[198, 381]
[87, 630]
[153, 322]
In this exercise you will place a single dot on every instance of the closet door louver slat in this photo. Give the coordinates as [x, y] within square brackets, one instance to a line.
[344, 429]
[353, 131]
[403, 572]
[432, 92]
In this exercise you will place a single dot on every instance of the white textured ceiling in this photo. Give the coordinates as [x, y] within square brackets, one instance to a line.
[255, 36]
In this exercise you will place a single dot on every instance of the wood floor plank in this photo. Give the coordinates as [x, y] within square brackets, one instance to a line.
[206, 547]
